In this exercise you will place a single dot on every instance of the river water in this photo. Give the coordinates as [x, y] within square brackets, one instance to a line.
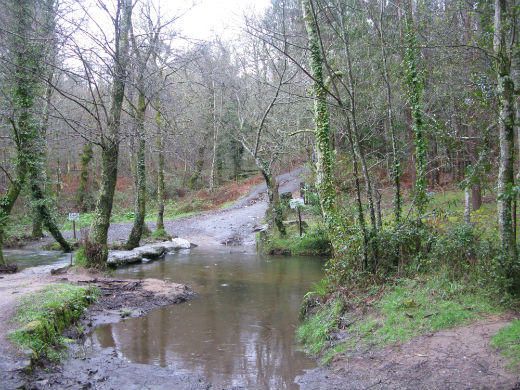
[238, 331]
[29, 258]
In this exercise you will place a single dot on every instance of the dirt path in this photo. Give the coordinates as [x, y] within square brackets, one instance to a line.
[234, 224]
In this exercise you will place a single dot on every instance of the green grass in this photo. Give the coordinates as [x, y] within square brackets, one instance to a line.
[314, 242]
[314, 332]
[507, 341]
[43, 316]
[409, 308]
[415, 307]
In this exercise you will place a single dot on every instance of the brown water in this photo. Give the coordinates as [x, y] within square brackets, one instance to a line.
[239, 331]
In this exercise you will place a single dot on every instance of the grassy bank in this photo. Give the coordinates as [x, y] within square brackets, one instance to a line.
[42, 317]
[388, 314]
[432, 274]
[314, 242]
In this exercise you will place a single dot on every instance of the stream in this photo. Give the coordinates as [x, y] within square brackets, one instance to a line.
[238, 331]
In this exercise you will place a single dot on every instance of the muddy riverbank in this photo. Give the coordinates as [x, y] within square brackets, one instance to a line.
[118, 299]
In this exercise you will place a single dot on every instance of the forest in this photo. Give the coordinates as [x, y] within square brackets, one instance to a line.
[401, 119]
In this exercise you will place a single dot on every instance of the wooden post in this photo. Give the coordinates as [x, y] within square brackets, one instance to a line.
[74, 228]
[300, 220]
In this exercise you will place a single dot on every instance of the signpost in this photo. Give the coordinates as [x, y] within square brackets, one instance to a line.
[74, 217]
[297, 204]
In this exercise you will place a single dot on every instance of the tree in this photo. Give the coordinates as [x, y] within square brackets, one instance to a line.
[415, 87]
[33, 26]
[110, 140]
[506, 121]
[324, 156]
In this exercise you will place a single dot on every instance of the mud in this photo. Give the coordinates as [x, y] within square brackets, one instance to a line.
[89, 368]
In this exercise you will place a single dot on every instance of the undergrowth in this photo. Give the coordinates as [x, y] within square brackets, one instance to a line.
[43, 317]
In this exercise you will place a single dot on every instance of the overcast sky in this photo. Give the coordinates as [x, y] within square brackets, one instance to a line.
[220, 17]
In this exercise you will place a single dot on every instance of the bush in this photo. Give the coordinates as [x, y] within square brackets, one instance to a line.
[393, 249]
[460, 251]
[80, 258]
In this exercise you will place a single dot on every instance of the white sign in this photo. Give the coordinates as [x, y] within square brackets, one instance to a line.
[73, 216]
[295, 203]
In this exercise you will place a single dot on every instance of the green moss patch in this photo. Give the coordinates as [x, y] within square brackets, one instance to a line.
[43, 317]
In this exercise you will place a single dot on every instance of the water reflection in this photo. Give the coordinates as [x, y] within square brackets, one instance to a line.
[238, 332]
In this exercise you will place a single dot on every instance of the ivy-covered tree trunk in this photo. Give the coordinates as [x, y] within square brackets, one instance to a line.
[415, 88]
[506, 121]
[140, 172]
[6, 205]
[29, 67]
[83, 191]
[37, 226]
[199, 165]
[110, 142]
[274, 211]
[324, 157]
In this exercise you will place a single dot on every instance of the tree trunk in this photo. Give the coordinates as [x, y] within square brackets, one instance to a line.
[29, 55]
[274, 210]
[140, 172]
[506, 121]
[467, 205]
[83, 192]
[396, 165]
[415, 87]
[6, 205]
[160, 171]
[37, 226]
[110, 149]
[199, 165]
[324, 157]
[359, 203]
[476, 197]
[215, 138]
